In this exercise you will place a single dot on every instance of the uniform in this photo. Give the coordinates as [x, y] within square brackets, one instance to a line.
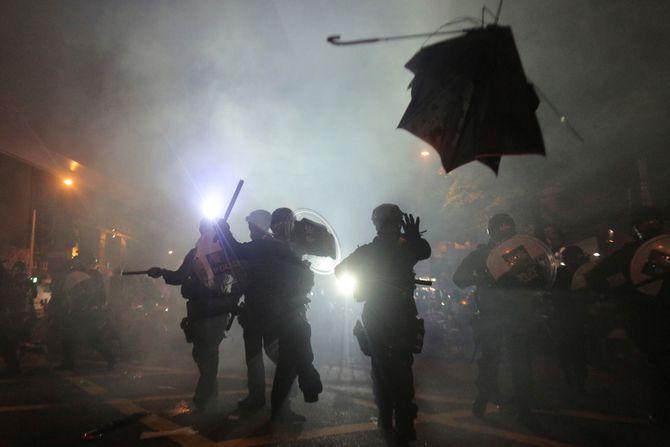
[208, 313]
[385, 276]
[84, 317]
[506, 315]
[277, 281]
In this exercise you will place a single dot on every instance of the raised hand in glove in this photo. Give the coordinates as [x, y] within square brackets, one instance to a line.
[155, 272]
[224, 229]
[410, 226]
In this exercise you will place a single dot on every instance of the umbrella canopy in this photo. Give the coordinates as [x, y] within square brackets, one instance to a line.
[471, 100]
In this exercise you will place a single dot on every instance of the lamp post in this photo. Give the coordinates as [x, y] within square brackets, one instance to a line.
[68, 182]
[32, 242]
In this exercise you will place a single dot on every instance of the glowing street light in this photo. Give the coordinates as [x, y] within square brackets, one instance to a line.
[68, 182]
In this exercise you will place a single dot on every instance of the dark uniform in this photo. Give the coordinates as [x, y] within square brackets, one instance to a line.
[17, 314]
[505, 315]
[83, 313]
[570, 319]
[277, 281]
[207, 315]
[259, 327]
[385, 281]
[646, 316]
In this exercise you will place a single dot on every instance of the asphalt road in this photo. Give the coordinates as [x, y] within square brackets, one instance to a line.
[44, 407]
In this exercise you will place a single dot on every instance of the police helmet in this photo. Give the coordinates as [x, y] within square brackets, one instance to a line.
[386, 213]
[647, 222]
[261, 219]
[281, 222]
[573, 256]
[501, 226]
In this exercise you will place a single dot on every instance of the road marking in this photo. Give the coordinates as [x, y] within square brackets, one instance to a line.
[449, 419]
[459, 419]
[89, 387]
[151, 421]
[442, 398]
[34, 407]
[425, 397]
[160, 397]
[164, 372]
[158, 423]
[316, 433]
[596, 416]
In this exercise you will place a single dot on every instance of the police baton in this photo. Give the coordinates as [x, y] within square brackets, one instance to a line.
[217, 228]
[233, 200]
[135, 272]
[423, 282]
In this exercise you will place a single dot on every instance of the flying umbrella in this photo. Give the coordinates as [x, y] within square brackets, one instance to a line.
[471, 100]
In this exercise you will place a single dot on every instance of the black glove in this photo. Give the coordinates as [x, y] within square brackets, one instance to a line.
[410, 226]
[224, 227]
[155, 272]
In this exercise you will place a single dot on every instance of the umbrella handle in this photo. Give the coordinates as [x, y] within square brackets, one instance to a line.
[336, 39]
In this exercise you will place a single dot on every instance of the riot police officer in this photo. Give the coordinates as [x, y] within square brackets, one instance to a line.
[570, 318]
[647, 316]
[259, 329]
[504, 315]
[84, 314]
[383, 270]
[17, 313]
[278, 280]
[207, 314]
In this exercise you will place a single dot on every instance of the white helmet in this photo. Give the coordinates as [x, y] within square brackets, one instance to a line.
[260, 219]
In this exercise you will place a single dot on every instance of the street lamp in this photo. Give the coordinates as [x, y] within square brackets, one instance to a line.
[68, 182]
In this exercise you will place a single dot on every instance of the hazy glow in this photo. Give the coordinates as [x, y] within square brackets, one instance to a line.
[68, 182]
[346, 284]
[74, 165]
[425, 153]
[212, 208]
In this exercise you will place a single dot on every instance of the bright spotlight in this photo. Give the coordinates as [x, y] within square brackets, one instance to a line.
[211, 208]
[597, 255]
[425, 153]
[347, 284]
[68, 182]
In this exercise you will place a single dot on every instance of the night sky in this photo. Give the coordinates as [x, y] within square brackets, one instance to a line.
[180, 98]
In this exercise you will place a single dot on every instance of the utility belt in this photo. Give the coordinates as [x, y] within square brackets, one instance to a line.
[415, 337]
[202, 309]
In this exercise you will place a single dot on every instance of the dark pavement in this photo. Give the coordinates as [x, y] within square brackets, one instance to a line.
[47, 407]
